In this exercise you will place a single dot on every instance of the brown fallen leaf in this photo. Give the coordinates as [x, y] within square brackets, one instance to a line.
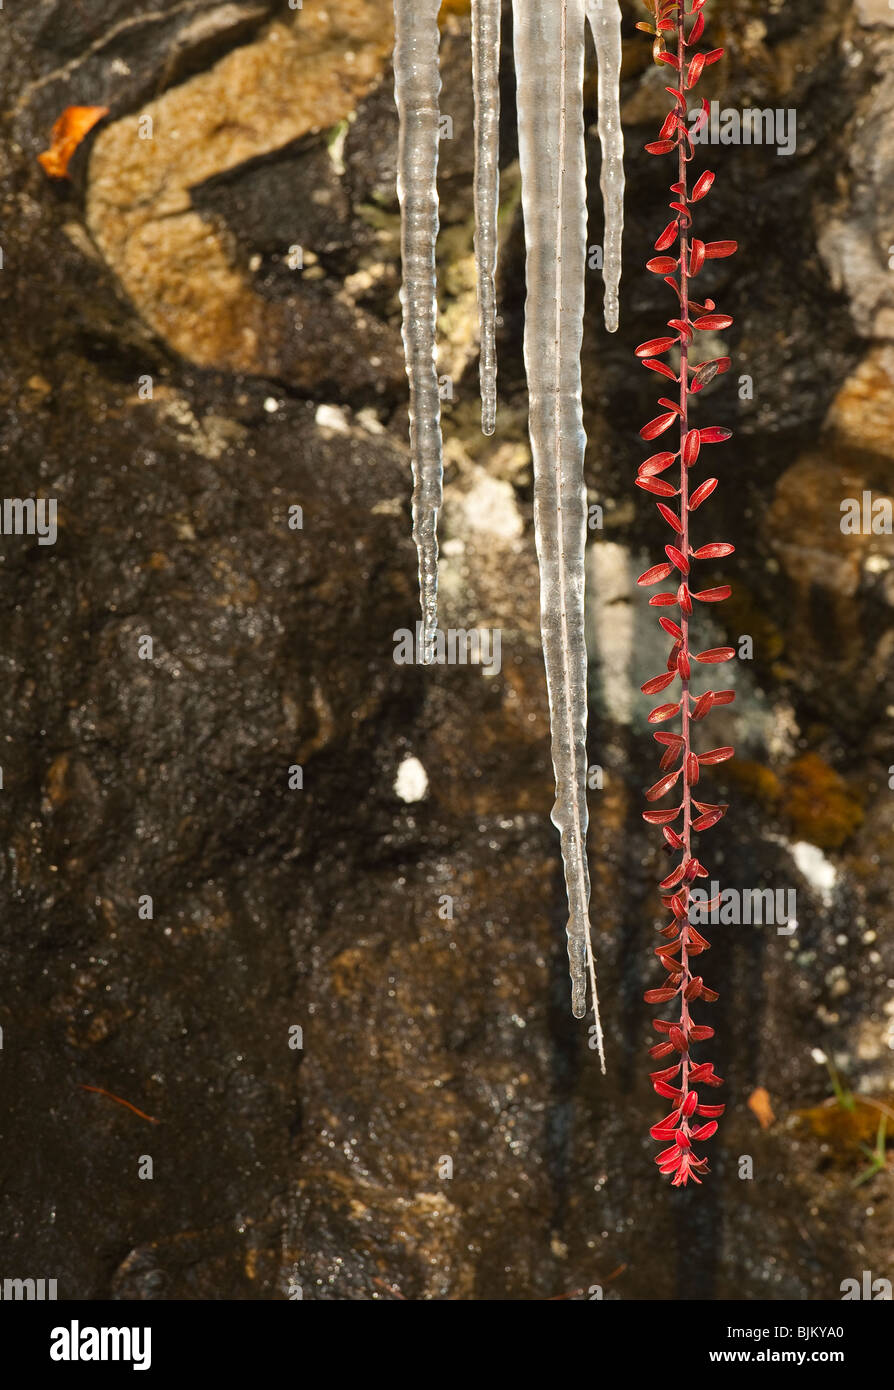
[67, 133]
[759, 1104]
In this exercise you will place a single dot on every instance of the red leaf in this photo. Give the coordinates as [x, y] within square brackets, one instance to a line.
[661, 817]
[662, 712]
[702, 705]
[655, 366]
[705, 1131]
[708, 321]
[714, 56]
[670, 756]
[654, 345]
[666, 1074]
[671, 881]
[697, 29]
[662, 265]
[677, 558]
[668, 125]
[715, 551]
[670, 626]
[692, 763]
[702, 184]
[661, 146]
[660, 996]
[673, 839]
[668, 58]
[658, 683]
[678, 905]
[717, 249]
[724, 697]
[660, 1050]
[699, 1032]
[664, 784]
[684, 600]
[711, 1110]
[670, 405]
[714, 655]
[716, 755]
[715, 434]
[708, 819]
[713, 595]
[657, 572]
[694, 71]
[697, 256]
[658, 425]
[662, 601]
[669, 235]
[691, 446]
[655, 485]
[683, 666]
[701, 120]
[701, 492]
[681, 326]
[670, 517]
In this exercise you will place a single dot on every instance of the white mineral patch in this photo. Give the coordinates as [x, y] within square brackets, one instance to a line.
[332, 417]
[816, 868]
[611, 619]
[488, 507]
[411, 782]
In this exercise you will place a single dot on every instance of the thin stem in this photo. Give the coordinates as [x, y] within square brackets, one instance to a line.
[682, 178]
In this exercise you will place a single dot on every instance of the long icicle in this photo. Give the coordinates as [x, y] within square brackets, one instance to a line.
[417, 88]
[486, 78]
[605, 24]
[549, 61]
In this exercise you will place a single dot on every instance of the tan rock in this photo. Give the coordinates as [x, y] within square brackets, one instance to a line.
[862, 414]
[871, 12]
[804, 524]
[302, 75]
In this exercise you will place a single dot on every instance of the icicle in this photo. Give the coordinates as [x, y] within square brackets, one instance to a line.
[417, 88]
[486, 76]
[549, 61]
[605, 23]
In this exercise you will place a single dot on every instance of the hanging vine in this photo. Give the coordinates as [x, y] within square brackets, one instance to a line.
[680, 260]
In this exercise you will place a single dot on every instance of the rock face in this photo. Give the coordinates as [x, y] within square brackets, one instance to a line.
[336, 991]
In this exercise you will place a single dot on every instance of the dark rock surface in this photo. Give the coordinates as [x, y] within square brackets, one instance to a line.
[426, 1038]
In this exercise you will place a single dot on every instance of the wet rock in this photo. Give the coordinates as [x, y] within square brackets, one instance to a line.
[854, 238]
[441, 1131]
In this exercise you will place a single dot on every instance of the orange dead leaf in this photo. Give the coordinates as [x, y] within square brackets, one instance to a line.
[759, 1104]
[68, 132]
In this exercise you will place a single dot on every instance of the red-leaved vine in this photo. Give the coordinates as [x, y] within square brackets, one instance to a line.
[679, 260]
